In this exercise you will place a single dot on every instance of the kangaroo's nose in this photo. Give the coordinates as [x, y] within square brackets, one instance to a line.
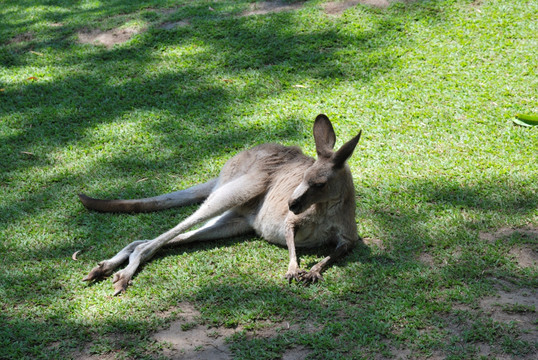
[294, 205]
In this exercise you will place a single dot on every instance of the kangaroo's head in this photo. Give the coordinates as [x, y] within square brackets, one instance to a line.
[323, 181]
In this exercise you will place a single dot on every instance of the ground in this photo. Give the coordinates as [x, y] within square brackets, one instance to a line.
[132, 99]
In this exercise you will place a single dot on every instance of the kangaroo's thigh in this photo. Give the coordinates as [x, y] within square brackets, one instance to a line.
[226, 225]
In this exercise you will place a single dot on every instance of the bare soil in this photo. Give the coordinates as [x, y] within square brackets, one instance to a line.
[269, 7]
[24, 37]
[529, 231]
[427, 259]
[517, 307]
[332, 8]
[169, 25]
[338, 7]
[526, 254]
[107, 38]
[112, 37]
[374, 242]
[509, 305]
[187, 339]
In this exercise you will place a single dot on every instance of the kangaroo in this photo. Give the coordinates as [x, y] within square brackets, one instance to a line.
[276, 191]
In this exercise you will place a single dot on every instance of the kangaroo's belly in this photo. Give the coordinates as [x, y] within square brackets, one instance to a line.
[311, 230]
[269, 213]
[306, 235]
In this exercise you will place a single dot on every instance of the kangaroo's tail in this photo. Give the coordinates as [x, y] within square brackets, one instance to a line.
[192, 195]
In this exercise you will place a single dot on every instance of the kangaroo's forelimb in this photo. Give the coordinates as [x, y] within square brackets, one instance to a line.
[294, 272]
[314, 275]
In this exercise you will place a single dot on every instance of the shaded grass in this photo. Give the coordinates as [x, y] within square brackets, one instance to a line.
[433, 84]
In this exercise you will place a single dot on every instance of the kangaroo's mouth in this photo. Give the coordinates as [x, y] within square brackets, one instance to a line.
[296, 206]
[295, 209]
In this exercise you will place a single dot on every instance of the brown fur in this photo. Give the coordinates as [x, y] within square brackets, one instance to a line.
[276, 191]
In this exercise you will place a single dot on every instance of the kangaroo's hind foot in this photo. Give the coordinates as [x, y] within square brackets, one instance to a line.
[106, 267]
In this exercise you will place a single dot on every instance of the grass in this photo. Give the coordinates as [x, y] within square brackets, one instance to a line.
[432, 84]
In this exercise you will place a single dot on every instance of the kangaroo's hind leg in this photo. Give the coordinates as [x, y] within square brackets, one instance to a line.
[226, 197]
[106, 267]
[226, 225]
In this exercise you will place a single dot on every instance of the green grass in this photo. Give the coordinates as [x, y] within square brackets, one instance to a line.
[432, 84]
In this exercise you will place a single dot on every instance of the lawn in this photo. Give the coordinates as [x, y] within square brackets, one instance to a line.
[125, 99]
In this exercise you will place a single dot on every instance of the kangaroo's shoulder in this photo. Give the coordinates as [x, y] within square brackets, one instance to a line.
[280, 154]
[276, 149]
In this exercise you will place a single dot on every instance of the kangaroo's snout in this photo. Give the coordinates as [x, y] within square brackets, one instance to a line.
[295, 206]
[297, 201]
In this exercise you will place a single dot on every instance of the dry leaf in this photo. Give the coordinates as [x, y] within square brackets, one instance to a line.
[299, 86]
[36, 53]
[32, 78]
[74, 256]
[27, 153]
[2, 90]
[211, 9]
[144, 179]
[228, 80]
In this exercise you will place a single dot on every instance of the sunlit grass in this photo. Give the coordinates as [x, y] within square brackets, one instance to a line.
[432, 84]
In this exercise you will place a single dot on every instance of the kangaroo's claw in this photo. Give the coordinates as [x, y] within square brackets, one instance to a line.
[98, 272]
[311, 277]
[294, 275]
[120, 283]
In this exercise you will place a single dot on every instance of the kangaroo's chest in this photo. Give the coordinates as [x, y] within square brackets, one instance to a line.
[312, 228]
[269, 213]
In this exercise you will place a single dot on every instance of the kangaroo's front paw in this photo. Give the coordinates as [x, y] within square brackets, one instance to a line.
[294, 274]
[311, 277]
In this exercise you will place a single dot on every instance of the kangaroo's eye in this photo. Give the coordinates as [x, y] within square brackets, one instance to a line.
[319, 185]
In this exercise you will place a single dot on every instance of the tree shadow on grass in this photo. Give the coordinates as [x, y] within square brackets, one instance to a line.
[190, 104]
[45, 116]
[369, 296]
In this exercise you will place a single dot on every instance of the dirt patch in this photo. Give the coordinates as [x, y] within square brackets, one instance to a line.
[510, 305]
[269, 7]
[116, 341]
[170, 25]
[297, 353]
[24, 37]
[525, 256]
[394, 353]
[190, 340]
[375, 242]
[87, 356]
[338, 7]
[530, 232]
[518, 307]
[426, 259]
[107, 38]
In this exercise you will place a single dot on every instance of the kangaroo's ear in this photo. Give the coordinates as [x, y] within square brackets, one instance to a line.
[324, 136]
[345, 151]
